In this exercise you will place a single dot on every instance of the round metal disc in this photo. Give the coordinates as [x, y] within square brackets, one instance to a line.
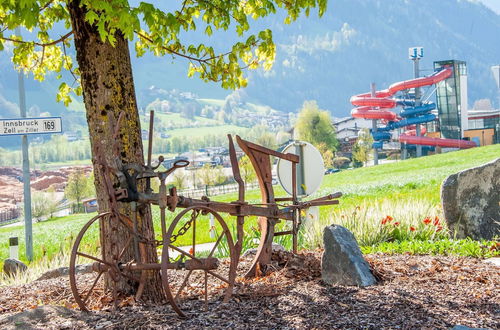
[310, 169]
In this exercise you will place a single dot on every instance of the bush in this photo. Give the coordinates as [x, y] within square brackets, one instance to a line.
[341, 162]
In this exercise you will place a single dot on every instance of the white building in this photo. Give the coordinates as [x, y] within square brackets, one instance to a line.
[349, 127]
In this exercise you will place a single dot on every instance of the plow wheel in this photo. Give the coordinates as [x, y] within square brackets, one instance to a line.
[98, 285]
[194, 273]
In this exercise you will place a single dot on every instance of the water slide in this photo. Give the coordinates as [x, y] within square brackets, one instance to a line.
[379, 105]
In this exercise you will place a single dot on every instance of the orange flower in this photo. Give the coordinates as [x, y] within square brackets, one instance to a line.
[191, 250]
[436, 221]
[387, 219]
[439, 228]
[396, 224]
[427, 220]
[412, 228]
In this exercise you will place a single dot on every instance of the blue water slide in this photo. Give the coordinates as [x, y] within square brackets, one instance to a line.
[381, 136]
[378, 144]
[411, 121]
[424, 148]
[417, 110]
[405, 102]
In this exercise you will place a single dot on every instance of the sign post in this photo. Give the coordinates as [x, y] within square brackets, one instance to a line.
[415, 54]
[27, 126]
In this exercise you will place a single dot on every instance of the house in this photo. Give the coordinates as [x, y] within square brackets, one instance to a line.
[90, 205]
[349, 127]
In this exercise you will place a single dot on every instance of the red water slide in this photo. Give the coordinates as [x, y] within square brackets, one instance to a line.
[377, 107]
[367, 103]
[437, 142]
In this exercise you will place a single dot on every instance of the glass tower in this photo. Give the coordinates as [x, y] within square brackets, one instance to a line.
[451, 96]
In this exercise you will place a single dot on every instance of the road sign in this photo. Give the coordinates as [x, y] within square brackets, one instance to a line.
[310, 169]
[26, 126]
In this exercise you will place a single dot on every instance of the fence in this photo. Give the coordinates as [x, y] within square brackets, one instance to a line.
[215, 190]
[10, 214]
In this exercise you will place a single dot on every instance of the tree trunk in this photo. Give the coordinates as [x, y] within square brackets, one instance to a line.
[108, 89]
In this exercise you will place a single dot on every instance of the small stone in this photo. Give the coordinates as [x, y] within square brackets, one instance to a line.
[463, 327]
[12, 266]
[494, 261]
[342, 262]
[471, 202]
[104, 325]
[253, 252]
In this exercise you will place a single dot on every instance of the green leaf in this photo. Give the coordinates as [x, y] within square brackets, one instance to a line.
[208, 30]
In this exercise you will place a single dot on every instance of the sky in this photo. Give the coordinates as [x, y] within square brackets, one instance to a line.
[493, 4]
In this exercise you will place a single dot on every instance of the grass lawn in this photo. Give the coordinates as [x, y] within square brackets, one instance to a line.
[50, 237]
[177, 119]
[407, 190]
[201, 131]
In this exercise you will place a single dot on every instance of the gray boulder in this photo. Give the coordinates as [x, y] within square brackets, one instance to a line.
[64, 271]
[252, 252]
[471, 202]
[342, 262]
[12, 266]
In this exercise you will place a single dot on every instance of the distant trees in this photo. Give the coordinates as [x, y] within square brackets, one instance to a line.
[341, 162]
[315, 126]
[327, 155]
[78, 187]
[210, 175]
[42, 205]
[179, 180]
[246, 170]
[262, 135]
[362, 147]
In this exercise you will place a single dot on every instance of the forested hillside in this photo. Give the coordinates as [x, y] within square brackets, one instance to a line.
[329, 59]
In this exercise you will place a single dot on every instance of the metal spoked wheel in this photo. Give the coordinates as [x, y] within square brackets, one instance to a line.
[97, 286]
[192, 275]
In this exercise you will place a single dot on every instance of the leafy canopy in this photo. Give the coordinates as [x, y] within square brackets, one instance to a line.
[162, 32]
[315, 126]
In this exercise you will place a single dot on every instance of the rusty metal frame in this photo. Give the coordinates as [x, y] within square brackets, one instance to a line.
[269, 213]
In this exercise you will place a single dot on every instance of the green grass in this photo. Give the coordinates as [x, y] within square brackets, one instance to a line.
[50, 237]
[202, 131]
[176, 119]
[407, 190]
[464, 247]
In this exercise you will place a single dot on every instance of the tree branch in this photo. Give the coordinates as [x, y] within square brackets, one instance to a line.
[70, 70]
[46, 5]
[64, 37]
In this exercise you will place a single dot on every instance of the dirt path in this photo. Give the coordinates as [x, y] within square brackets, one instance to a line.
[414, 292]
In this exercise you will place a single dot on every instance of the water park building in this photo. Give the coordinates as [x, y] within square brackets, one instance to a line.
[422, 124]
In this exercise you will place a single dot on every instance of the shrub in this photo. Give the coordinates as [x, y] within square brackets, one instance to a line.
[341, 162]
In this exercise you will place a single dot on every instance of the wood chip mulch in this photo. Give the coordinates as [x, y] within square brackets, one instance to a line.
[413, 292]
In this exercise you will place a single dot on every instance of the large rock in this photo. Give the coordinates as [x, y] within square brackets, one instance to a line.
[64, 271]
[471, 202]
[342, 262]
[47, 317]
[12, 266]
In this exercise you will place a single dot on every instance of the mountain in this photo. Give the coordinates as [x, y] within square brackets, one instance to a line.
[327, 59]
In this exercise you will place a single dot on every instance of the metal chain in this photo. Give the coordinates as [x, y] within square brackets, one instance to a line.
[183, 230]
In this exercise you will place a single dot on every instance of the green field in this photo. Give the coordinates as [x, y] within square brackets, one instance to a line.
[176, 119]
[202, 131]
[407, 190]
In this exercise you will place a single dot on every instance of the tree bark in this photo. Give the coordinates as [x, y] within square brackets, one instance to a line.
[108, 89]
